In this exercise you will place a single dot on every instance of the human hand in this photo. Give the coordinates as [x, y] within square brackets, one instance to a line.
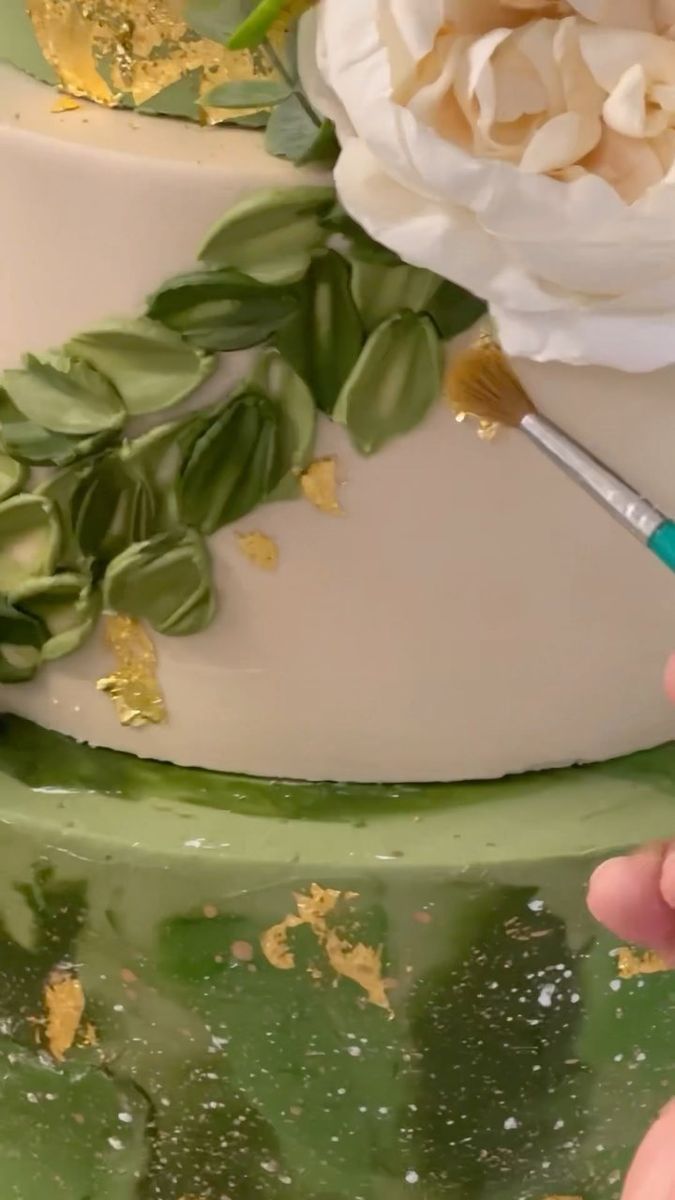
[634, 897]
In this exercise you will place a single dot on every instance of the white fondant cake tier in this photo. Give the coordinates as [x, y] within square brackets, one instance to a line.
[471, 614]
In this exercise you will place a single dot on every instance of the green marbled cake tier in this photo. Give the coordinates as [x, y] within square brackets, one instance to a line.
[515, 1064]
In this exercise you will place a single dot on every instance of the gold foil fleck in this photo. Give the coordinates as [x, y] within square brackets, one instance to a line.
[360, 963]
[64, 1006]
[260, 549]
[631, 964]
[319, 485]
[65, 104]
[133, 687]
[108, 49]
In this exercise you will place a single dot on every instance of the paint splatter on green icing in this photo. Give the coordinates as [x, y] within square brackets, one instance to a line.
[218, 1070]
[122, 519]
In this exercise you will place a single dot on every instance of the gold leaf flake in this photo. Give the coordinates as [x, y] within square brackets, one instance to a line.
[65, 104]
[319, 485]
[259, 549]
[631, 964]
[360, 963]
[133, 687]
[108, 49]
[64, 1006]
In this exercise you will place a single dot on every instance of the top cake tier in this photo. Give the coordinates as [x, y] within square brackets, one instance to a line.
[161, 56]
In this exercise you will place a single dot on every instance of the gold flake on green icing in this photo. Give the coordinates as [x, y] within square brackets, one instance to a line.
[133, 686]
[107, 49]
[64, 1007]
[630, 964]
[358, 962]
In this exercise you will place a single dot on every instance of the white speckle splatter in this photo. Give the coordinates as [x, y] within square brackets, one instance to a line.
[511, 1123]
[412, 1177]
[355, 1051]
[546, 995]
[536, 905]
[615, 984]
[115, 1143]
[125, 1117]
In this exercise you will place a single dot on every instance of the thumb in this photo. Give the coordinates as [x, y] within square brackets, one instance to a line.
[652, 1174]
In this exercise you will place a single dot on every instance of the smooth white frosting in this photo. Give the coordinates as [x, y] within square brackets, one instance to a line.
[471, 614]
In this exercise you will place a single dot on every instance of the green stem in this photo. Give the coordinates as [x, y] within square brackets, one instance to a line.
[280, 66]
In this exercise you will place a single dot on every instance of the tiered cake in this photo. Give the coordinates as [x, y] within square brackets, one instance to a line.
[242, 542]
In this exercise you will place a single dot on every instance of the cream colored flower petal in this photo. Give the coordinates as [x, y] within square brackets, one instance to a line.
[580, 90]
[630, 166]
[561, 142]
[627, 14]
[626, 110]
[630, 342]
[609, 54]
[313, 68]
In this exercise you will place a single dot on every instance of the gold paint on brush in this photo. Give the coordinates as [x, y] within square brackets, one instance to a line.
[482, 384]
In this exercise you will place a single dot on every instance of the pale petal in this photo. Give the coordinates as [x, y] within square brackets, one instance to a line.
[626, 109]
[561, 142]
[313, 68]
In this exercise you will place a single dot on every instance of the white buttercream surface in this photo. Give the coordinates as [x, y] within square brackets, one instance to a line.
[471, 614]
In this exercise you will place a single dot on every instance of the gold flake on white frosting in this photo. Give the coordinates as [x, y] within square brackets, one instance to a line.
[260, 549]
[133, 687]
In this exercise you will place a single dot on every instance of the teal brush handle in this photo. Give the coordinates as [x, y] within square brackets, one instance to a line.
[662, 543]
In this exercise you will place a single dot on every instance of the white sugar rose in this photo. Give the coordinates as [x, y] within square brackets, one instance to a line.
[523, 148]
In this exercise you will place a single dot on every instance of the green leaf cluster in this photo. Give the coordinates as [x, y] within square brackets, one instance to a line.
[121, 519]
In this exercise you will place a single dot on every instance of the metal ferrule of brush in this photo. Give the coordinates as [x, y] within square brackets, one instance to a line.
[637, 514]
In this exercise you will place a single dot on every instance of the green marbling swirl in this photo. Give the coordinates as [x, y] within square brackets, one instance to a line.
[515, 1068]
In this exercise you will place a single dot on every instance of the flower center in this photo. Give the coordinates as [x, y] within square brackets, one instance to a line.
[554, 88]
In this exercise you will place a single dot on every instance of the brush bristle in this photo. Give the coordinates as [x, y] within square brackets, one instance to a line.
[482, 384]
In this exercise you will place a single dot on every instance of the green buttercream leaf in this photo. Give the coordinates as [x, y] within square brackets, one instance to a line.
[361, 245]
[65, 395]
[453, 310]
[21, 640]
[65, 604]
[233, 464]
[297, 420]
[151, 367]
[179, 99]
[271, 235]
[30, 539]
[395, 382]
[324, 340]
[158, 457]
[381, 291]
[293, 133]
[33, 444]
[254, 120]
[12, 476]
[60, 488]
[112, 507]
[222, 310]
[165, 581]
[247, 93]
[216, 19]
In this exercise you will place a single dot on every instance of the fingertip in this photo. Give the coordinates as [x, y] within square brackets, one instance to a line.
[625, 895]
[652, 1172]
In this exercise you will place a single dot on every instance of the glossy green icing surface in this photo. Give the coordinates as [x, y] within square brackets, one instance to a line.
[516, 1066]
